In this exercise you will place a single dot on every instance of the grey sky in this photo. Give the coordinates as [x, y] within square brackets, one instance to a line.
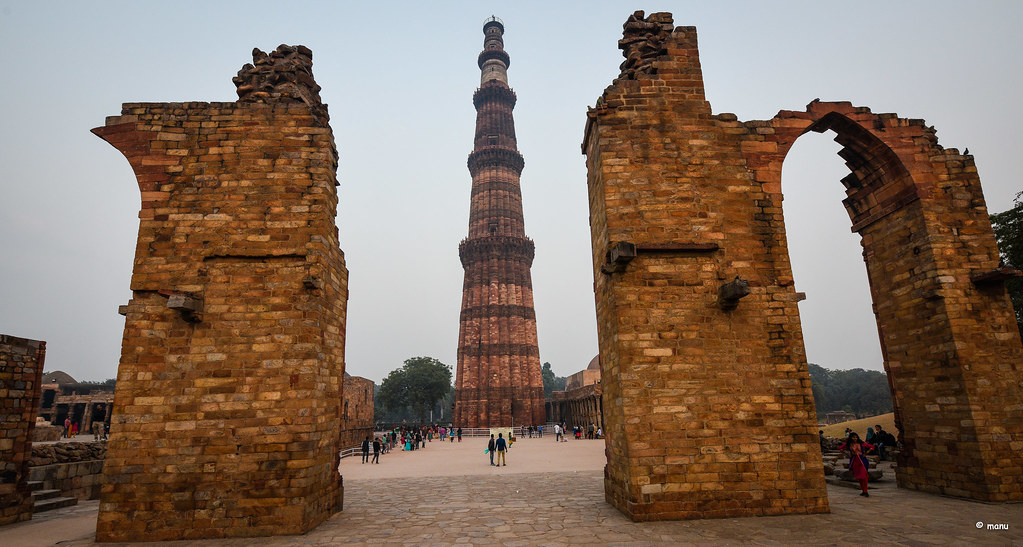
[398, 78]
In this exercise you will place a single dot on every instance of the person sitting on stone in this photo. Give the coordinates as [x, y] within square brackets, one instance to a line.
[883, 439]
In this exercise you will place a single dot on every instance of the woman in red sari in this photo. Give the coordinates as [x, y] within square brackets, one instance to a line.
[858, 464]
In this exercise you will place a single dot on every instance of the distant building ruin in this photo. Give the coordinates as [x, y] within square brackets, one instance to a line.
[581, 403]
[21, 369]
[87, 405]
[356, 411]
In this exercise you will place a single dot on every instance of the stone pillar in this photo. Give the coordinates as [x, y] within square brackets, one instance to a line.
[21, 373]
[707, 382]
[228, 391]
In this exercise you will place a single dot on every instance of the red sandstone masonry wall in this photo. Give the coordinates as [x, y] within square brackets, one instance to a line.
[21, 372]
[497, 380]
[227, 422]
[356, 411]
[708, 412]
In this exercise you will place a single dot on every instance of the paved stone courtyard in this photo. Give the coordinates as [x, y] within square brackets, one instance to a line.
[448, 494]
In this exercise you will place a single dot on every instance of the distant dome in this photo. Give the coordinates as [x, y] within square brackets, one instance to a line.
[594, 364]
[58, 377]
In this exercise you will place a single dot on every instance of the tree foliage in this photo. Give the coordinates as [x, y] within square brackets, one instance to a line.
[551, 382]
[1008, 227]
[862, 392]
[417, 387]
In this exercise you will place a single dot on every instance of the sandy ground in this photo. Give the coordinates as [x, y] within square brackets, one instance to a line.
[446, 459]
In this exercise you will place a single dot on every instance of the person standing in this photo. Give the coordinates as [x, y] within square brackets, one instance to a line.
[502, 448]
[858, 464]
[376, 450]
[491, 447]
[365, 450]
[557, 433]
[459, 434]
[67, 428]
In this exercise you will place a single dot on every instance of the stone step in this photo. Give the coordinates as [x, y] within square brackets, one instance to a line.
[34, 485]
[54, 503]
[38, 495]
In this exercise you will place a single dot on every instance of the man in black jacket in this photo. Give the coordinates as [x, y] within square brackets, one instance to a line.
[883, 439]
[365, 450]
[492, 447]
[376, 450]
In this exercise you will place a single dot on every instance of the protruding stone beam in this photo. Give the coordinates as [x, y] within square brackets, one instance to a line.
[997, 275]
[623, 252]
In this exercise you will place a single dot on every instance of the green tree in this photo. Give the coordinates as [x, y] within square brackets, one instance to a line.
[862, 392]
[1008, 227]
[551, 382]
[417, 386]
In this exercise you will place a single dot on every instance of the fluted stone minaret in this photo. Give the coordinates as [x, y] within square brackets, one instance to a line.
[498, 382]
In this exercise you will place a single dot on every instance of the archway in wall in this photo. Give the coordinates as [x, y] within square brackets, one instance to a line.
[936, 284]
[838, 323]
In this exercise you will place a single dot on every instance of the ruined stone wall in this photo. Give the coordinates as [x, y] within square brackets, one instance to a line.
[227, 413]
[356, 411]
[708, 405]
[708, 411]
[81, 479]
[21, 372]
[948, 332]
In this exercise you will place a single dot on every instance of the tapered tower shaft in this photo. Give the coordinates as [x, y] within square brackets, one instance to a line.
[498, 381]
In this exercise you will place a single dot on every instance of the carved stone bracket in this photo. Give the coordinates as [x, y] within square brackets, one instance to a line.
[189, 307]
[619, 257]
[730, 293]
[312, 282]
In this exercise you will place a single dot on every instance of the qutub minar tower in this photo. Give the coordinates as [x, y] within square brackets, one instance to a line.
[498, 382]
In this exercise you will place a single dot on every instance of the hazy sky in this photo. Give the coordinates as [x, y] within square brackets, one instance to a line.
[398, 78]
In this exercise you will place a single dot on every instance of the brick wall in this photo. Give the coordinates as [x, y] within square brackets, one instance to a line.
[356, 411]
[708, 412]
[227, 413]
[21, 372]
[82, 480]
[707, 399]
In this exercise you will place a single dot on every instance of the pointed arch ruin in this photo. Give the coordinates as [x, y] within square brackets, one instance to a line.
[707, 396]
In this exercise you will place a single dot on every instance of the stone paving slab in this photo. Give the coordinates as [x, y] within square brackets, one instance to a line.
[520, 508]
